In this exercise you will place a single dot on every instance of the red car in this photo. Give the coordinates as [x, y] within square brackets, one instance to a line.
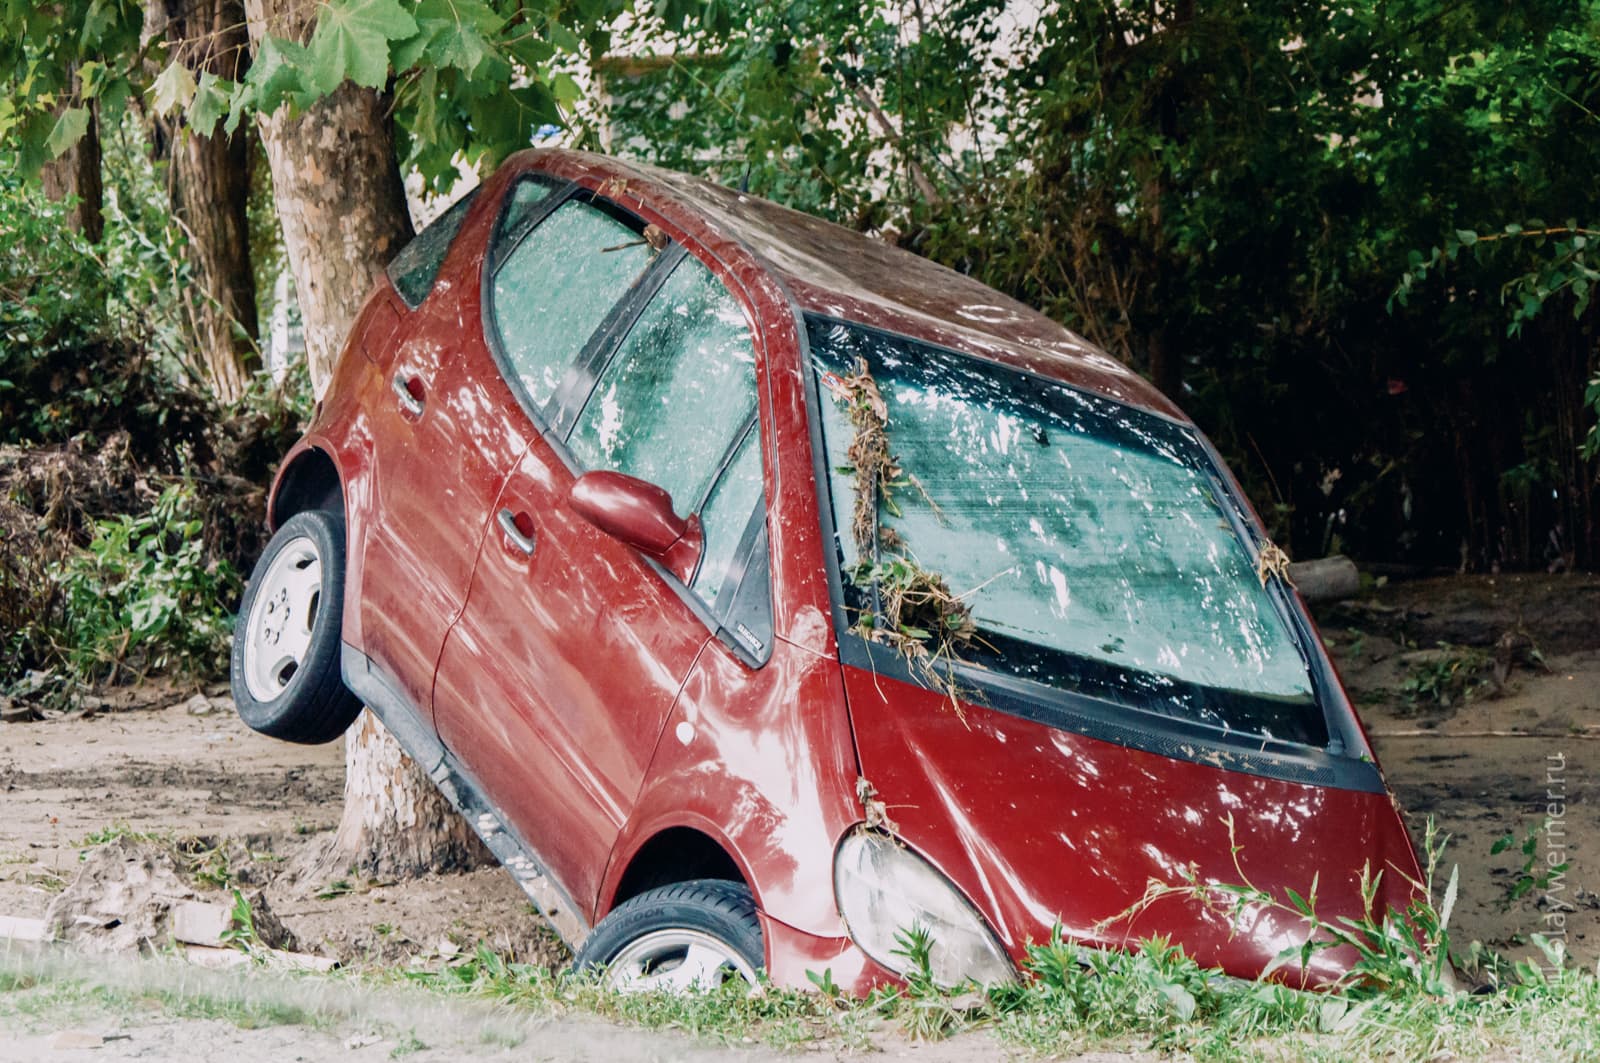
[627, 509]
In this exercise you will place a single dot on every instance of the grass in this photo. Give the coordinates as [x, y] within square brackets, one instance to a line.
[1402, 999]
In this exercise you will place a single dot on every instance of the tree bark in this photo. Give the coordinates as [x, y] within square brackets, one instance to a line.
[338, 191]
[210, 193]
[337, 187]
[77, 173]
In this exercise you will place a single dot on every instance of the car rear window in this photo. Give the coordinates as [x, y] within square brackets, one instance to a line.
[416, 267]
[1090, 540]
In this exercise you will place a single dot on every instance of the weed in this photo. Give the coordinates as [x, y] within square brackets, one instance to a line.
[1527, 878]
[407, 1044]
[1446, 681]
[111, 833]
[337, 888]
[241, 933]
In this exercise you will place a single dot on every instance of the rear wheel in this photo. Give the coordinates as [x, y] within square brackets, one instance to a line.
[697, 934]
[286, 642]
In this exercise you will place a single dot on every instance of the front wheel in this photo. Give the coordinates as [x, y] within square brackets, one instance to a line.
[696, 934]
[286, 643]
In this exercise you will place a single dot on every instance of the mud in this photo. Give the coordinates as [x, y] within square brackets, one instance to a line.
[1482, 766]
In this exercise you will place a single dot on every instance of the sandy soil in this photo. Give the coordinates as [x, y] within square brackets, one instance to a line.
[1483, 765]
[1487, 764]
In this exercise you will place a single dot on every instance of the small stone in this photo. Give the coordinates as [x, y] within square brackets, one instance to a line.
[69, 1039]
[199, 705]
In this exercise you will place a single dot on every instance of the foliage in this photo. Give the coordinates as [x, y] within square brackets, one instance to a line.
[144, 597]
[90, 335]
[1226, 196]
[1447, 679]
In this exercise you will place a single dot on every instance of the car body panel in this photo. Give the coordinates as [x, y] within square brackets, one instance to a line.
[559, 686]
[761, 761]
[434, 475]
[1040, 825]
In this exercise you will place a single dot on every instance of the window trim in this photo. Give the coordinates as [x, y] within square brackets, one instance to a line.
[1334, 765]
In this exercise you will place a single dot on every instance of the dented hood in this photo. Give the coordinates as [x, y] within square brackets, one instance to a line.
[1039, 825]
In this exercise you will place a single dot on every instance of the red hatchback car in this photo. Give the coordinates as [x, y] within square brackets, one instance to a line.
[615, 512]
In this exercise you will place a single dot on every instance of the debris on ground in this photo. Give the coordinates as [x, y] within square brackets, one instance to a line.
[132, 895]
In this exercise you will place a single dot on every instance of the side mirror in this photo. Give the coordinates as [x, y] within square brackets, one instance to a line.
[640, 514]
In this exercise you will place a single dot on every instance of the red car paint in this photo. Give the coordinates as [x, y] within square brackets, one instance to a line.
[596, 710]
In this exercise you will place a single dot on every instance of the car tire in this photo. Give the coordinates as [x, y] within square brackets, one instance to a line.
[703, 932]
[287, 639]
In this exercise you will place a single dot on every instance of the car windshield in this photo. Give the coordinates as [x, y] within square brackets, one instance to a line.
[1090, 540]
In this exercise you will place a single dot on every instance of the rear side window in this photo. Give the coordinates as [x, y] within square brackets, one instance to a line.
[675, 405]
[416, 267]
[553, 286]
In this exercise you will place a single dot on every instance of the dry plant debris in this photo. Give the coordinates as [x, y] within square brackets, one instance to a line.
[925, 622]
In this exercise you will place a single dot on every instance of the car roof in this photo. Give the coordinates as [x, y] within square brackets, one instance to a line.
[836, 272]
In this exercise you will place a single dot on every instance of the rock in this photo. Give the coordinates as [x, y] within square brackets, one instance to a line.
[121, 899]
[70, 1039]
[131, 895]
[199, 705]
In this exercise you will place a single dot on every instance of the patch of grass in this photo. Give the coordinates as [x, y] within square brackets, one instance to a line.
[1400, 1000]
[115, 831]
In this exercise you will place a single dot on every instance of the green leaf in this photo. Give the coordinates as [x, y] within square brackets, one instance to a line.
[101, 16]
[173, 89]
[278, 74]
[352, 41]
[211, 103]
[1448, 904]
[68, 128]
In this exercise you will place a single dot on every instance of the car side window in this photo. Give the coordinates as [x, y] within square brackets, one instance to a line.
[416, 267]
[673, 400]
[554, 287]
[725, 515]
[678, 389]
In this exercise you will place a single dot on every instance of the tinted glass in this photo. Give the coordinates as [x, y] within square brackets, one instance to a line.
[1088, 538]
[416, 267]
[521, 206]
[556, 286]
[677, 391]
[725, 515]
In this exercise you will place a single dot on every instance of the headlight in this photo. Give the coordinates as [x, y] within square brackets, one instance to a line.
[884, 888]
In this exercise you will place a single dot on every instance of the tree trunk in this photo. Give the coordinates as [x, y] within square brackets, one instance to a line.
[339, 196]
[77, 173]
[210, 194]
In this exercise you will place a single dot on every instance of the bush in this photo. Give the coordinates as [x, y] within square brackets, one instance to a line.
[143, 596]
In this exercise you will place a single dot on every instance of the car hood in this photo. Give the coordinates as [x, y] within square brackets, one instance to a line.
[1042, 827]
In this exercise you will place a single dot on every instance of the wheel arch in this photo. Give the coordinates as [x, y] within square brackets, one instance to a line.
[309, 479]
[672, 854]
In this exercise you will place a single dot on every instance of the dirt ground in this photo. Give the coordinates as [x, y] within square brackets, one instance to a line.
[1486, 763]
[1481, 761]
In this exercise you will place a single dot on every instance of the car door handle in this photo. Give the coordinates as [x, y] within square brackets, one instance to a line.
[402, 391]
[514, 534]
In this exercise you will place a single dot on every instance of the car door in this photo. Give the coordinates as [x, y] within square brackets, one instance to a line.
[554, 684]
[443, 436]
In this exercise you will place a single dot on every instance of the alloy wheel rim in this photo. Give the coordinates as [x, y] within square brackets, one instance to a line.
[677, 961]
[278, 633]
